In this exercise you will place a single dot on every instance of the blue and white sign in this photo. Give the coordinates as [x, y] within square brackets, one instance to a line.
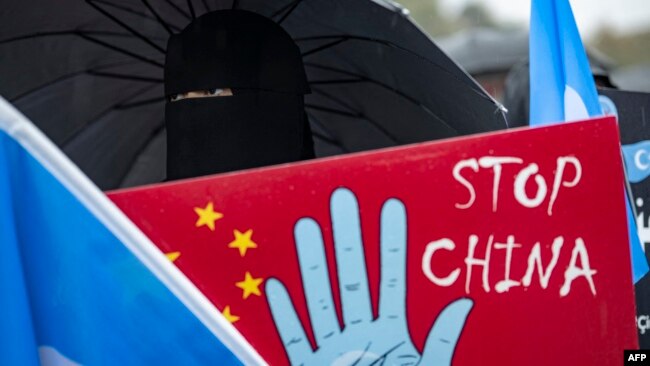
[637, 161]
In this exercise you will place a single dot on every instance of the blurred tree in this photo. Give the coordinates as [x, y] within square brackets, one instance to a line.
[476, 15]
[624, 49]
[428, 15]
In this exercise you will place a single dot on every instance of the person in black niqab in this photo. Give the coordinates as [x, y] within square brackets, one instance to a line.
[235, 84]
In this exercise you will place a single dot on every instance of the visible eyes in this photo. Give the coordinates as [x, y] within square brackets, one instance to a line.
[215, 92]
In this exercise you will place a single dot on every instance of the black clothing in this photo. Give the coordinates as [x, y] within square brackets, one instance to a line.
[262, 123]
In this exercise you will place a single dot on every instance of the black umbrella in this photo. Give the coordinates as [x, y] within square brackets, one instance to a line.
[89, 74]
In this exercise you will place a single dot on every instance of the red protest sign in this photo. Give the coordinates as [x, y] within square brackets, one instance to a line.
[495, 249]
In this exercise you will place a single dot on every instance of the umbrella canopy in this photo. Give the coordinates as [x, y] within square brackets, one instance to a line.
[89, 74]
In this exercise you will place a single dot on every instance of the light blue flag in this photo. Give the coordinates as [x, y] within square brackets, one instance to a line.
[637, 161]
[80, 284]
[562, 87]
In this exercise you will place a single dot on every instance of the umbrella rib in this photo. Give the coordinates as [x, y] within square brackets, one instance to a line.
[337, 81]
[102, 114]
[384, 86]
[352, 115]
[291, 9]
[158, 17]
[64, 78]
[119, 49]
[178, 9]
[359, 114]
[125, 76]
[73, 32]
[125, 26]
[205, 5]
[191, 7]
[134, 12]
[325, 46]
[88, 36]
[393, 45]
[335, 100]
[332, 110]
[144, 146]
[329, 139]
[140, 103]
[277, 12]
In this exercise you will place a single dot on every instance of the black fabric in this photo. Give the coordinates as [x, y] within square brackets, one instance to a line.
[307, 150]
[215, 135]
[262, 123]
[233, 49]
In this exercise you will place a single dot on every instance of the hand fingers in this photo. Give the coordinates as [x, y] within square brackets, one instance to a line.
[315, 278]
[392, 294]
[443, 336]
[286, 321]
[350, 258]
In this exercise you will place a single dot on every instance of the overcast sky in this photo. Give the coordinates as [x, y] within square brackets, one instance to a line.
[621, 15]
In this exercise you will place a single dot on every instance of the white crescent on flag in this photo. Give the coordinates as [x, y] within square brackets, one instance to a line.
[574, 107]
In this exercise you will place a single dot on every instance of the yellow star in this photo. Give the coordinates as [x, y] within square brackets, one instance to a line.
[242, 241]
[228, 315]
[207, 216]
[250, 285]
[172, 256]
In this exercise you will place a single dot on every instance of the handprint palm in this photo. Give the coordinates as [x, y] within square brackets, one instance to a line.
[363, 340]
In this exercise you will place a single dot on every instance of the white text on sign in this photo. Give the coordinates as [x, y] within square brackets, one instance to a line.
[529, 171]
